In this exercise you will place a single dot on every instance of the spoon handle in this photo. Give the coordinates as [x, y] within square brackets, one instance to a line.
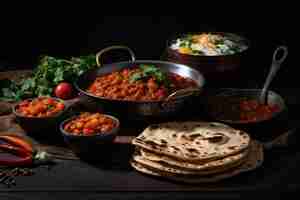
[276, 63]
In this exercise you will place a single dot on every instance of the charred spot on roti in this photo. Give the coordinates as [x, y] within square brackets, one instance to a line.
[160, 161]
[232, 147]
[163, 141]
[192, 150]
[142, 137]
[219, 138]
[184, 136]
[186, 139]
[152, 144]
[195, 135]
[175, 148]
[174, 135]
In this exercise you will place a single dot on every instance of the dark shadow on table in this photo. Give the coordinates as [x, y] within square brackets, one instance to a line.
[109, 157]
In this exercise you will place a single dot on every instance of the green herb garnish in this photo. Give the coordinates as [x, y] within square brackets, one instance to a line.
[49, 72]
[49, 107]
[148, 71]
[136, 76]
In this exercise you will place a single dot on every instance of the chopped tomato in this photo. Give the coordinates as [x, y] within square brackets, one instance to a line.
[89, 124]
[161, 92]
[125, 72]
[88, 131]
[60, 106]
[50, 101]
[40, 107]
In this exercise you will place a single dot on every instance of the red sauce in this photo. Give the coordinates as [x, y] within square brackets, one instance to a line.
[252, 110]
[242, 109]
[118, 85]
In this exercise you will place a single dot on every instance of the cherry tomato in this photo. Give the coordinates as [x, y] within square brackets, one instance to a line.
[60, 106]
[64, 90]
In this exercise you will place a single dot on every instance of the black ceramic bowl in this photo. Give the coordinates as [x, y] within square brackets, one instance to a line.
[39, 125]
[221, 100]
[91, 145]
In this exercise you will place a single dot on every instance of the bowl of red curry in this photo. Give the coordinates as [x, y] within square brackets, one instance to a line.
[242, 106]
[88, 132]
[39, 114]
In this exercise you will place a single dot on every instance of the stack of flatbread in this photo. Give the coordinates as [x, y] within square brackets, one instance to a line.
[194, 152]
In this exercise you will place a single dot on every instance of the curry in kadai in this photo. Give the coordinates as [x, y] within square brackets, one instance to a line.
[140, 83]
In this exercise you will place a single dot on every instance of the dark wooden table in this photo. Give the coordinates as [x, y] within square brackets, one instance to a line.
[116, 179]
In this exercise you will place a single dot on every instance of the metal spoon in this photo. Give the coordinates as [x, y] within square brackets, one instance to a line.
[276, 63]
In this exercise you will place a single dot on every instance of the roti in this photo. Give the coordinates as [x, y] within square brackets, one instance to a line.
[166, 160]
[253, 160]
[193, 141]
[165, 167]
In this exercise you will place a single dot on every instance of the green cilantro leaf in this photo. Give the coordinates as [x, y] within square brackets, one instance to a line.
[148, 71]
[135, 77]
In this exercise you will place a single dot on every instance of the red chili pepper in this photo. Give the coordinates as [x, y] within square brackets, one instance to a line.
[21, 157]
[22, 151]
[17, 141]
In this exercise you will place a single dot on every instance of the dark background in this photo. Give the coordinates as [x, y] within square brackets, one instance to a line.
[23, 39]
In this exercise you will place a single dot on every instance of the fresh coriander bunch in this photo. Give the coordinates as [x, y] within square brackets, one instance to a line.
[46, 76]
